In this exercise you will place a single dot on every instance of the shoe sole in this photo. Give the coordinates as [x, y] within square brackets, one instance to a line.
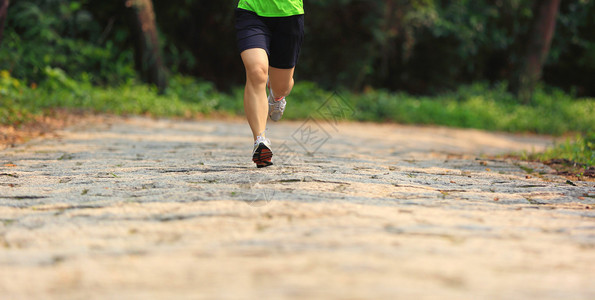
[262, 156]
[274, 118]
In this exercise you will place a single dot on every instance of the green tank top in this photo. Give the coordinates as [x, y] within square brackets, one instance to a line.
[273, 8]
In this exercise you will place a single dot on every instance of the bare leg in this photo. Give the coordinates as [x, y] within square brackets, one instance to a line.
[256, 105]
[281, 81]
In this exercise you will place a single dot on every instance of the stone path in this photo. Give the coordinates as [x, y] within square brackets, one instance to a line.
[145, 209]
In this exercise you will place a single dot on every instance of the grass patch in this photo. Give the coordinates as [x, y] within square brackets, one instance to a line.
[185, 98]
[580, 151]
[574, 158]
[475, 106]
[479, 106]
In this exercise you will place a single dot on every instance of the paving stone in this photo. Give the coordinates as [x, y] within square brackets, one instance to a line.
[145, 208]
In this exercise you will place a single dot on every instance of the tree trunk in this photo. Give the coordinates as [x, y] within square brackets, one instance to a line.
[3, 11]
[147, 55]
[536, 50]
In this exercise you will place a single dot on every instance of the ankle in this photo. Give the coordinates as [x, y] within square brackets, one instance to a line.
[260, 137]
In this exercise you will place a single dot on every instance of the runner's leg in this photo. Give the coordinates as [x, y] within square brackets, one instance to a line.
[281, 81]
[256, 105]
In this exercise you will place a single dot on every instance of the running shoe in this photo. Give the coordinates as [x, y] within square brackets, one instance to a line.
[262, 154]
[276, 106]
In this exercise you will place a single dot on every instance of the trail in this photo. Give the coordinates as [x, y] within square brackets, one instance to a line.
[161, 209]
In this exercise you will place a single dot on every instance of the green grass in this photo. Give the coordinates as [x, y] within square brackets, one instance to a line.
[185, 98]
[580, 150]
[474, 106]
[481, 107]
[574, 158]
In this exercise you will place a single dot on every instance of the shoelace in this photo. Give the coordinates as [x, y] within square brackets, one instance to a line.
[279, 105]
[260, 139]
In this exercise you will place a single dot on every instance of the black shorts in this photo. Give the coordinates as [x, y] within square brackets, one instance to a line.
[280, 37]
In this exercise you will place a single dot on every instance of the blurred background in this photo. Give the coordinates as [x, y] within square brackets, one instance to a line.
[506, 65]
[417, 46]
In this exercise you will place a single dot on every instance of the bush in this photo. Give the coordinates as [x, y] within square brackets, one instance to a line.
[60, 34]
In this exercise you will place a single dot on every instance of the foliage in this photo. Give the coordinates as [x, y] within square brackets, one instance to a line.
[60, 34]
[572, 56]
[427, 46]
[418, 46]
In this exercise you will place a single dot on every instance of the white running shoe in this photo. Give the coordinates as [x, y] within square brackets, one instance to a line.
[276, 106]
[262, 154]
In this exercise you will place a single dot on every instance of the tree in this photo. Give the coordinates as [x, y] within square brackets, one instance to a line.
[3, 10]
[537, 48]
[147, 54]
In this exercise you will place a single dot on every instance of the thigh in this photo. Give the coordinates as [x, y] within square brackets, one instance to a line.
[255, 59]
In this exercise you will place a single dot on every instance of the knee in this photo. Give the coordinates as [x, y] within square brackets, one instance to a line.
[283, 89]
[257, 74]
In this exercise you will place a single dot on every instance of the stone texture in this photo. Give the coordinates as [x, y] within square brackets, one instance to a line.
[142, 208]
